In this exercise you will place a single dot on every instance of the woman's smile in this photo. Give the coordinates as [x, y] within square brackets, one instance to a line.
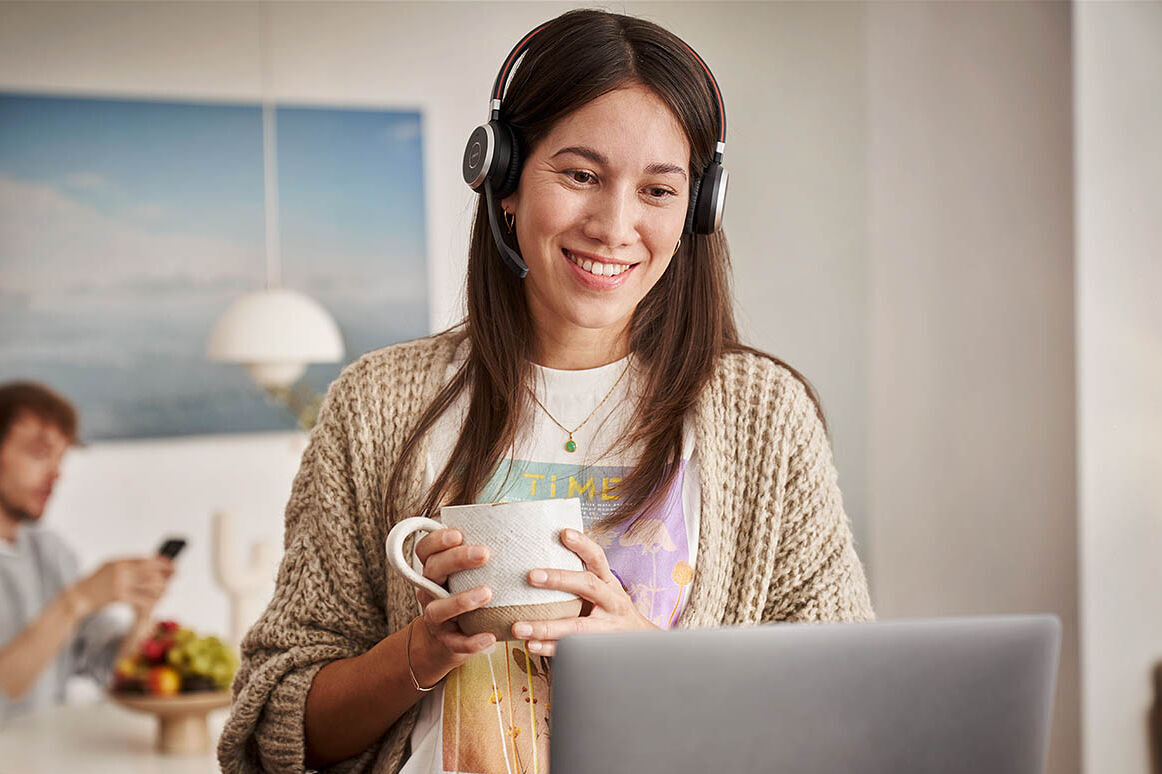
[596, 274]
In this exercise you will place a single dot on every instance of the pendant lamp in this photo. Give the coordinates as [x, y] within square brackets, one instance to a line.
[274, 332]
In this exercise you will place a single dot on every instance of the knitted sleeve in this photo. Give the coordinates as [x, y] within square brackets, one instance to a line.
[817, 574]
[324, 606]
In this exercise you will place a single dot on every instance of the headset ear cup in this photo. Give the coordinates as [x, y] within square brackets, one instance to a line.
[711, 200]
[478, 156]
[692, 206]
[511, 178]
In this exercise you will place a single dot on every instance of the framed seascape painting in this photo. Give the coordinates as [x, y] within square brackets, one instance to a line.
[128, 226]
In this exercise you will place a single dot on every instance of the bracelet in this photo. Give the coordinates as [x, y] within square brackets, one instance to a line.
[411, 671]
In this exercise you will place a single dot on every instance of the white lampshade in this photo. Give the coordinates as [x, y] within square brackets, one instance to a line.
[275, 334]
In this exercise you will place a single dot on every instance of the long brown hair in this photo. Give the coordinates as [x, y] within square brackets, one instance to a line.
[678, 331]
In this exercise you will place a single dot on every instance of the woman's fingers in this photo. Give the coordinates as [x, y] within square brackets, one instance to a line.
[584, 584]
[541, 631]
[547, 648]
[591, 554]
[442, 611]
[439, 616]
[466, 646]
[443, 563]
[440, 540]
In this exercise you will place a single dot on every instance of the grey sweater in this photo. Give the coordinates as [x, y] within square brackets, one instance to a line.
[34, 569]
[774, 542]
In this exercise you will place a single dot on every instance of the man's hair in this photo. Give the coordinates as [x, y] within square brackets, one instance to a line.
[16, 398]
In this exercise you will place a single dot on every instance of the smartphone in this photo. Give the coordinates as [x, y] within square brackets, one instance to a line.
[171, 547]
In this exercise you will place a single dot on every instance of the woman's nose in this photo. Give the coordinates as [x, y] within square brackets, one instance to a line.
[613, 219]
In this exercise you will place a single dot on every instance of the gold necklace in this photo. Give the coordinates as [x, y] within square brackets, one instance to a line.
[571, 445]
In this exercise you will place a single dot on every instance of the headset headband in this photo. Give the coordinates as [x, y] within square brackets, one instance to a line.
[510, 60]
[501, 84]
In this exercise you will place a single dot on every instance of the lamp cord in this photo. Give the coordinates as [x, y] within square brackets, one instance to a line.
[269, 153]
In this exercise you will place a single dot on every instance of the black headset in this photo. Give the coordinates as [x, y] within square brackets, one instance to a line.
[492, 162]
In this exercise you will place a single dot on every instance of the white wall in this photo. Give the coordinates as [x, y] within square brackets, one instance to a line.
[971, 501]
[1118, 110]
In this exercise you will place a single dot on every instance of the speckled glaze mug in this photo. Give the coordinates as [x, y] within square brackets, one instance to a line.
[520, 536]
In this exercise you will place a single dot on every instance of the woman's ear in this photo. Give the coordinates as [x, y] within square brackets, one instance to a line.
[509, 203]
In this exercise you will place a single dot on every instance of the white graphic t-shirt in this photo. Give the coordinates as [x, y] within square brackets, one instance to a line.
[491, 714]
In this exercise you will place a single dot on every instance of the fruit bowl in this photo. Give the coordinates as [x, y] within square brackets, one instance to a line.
[180, 678]
[181, 719]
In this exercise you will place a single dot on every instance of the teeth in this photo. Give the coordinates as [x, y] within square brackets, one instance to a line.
[596, 268]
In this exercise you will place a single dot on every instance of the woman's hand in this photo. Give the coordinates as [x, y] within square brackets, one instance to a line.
[609, 607]
[440, 646]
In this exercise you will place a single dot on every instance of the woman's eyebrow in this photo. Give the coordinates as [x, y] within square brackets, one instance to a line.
[657, 168]
[662, 168]
[585, 153]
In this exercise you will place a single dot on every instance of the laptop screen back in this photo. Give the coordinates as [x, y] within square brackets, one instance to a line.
[955, 696]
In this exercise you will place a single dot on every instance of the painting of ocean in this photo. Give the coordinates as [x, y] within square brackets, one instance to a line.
[128, 226]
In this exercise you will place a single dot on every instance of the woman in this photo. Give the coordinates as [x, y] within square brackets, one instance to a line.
[612, 372]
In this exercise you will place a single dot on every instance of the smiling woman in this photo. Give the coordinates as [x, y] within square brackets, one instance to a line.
[599, 360]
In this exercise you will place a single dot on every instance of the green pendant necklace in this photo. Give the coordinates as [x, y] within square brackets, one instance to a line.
[571, 445]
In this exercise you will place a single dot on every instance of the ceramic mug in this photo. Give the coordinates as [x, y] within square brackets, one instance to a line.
[521, 536]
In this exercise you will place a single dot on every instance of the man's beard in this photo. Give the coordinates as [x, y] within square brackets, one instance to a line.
[19, 515]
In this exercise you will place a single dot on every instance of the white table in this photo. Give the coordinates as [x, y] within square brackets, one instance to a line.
[100, 738]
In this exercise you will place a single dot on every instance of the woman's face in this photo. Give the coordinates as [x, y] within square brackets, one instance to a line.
[599, 211]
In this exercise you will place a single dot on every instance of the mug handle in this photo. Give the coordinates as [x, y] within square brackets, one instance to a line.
[395, 540]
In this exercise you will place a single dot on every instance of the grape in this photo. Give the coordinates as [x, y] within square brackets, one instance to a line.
[204, 663]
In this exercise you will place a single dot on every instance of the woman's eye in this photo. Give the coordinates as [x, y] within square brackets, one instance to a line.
[580, 176]
[660, 193]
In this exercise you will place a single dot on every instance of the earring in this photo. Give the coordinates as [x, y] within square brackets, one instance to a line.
[509, 218]
[676, 247]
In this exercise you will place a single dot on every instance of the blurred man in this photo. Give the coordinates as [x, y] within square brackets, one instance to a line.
[52, 622]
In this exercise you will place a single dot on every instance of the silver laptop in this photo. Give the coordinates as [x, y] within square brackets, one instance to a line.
[954, 696]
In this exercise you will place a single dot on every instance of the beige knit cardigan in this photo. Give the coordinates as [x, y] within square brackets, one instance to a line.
[774, 543]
